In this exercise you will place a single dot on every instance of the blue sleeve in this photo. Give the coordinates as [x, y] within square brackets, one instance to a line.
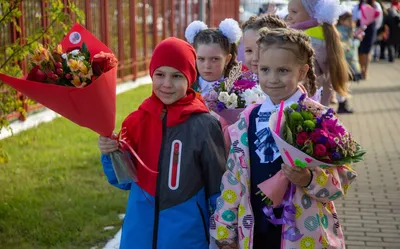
[109, 172]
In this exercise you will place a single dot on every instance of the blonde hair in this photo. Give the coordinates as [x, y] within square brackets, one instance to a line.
[337, 64]
[265, 21]
[297, 42]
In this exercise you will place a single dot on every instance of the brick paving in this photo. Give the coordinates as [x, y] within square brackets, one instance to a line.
[370, 213]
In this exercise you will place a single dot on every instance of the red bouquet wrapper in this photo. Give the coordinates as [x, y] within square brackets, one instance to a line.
[92, 106]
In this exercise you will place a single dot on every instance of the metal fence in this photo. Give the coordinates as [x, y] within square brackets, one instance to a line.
[131, 28]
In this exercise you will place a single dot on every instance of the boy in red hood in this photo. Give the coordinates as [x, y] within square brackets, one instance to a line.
[175, 136]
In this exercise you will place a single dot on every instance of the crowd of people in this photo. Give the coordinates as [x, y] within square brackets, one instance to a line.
[376, 40]
[198, 174]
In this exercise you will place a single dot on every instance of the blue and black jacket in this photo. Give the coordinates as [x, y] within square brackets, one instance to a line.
[191, 163]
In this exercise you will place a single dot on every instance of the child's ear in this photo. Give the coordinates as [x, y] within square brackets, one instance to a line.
[303, 72]
[228, 59]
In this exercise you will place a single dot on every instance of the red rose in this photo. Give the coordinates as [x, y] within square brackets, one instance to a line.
[314, 136]
[37, 75]
[99, 66]
[302, 137]
[320, 150]
[328, 146]
[103, 62]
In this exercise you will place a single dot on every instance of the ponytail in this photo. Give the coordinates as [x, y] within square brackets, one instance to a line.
[338, 67]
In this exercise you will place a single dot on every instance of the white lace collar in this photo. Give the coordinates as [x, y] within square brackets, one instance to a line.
[205, 86]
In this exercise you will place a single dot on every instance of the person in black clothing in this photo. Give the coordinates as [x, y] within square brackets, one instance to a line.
[392, 20]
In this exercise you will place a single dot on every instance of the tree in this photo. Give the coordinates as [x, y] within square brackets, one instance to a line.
[12, 57]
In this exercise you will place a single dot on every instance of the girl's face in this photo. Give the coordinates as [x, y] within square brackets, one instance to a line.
[297, 13]
[169, 84]
[211, 61]
[250, 38]
[280, 73]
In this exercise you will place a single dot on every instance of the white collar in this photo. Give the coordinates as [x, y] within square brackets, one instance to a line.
[269, 106]
[262, 124]
[206, 86]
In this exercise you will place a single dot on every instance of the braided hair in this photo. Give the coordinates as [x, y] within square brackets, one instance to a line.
[265, 21]
[299, 43]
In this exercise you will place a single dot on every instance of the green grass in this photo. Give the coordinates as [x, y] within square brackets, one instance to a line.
[53, 193]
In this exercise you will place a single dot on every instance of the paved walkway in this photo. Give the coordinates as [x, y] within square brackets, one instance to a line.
[370, 213]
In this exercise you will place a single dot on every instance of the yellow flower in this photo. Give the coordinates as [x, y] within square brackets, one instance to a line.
[76, 80]
[40, 54]
[83, 68]
[87, 74]
[39, 49]
[43, 52]
[58, 49]
[36, 58]
[74, 65]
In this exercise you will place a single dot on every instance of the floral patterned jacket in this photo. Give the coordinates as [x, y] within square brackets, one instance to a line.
[316, 216]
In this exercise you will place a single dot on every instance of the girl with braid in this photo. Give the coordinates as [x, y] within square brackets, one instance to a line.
[250, 35]
[317, 18]
[286, 58]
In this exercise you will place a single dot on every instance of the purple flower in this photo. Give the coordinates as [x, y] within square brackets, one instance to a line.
[319, 121]
[319, 136]
[336, 155]
[241, 85]
[332, 128]
[220, 106]
[303, 96]
[249, 76]
[329, 113]
[211, 96]
[217, 85]
[322, 140]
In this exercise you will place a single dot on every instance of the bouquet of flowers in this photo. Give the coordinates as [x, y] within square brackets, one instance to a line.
[307, 135]
[230, 96]
[74, 67]
[319, 134]
[77, 79]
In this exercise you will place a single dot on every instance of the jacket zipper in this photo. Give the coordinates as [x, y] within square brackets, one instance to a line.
[157, 201]
[203, 219]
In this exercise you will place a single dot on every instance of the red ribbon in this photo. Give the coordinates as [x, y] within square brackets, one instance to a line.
[124, 144]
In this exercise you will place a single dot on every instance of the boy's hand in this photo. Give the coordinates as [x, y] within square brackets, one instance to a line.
[298, 176]
[107, 145]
